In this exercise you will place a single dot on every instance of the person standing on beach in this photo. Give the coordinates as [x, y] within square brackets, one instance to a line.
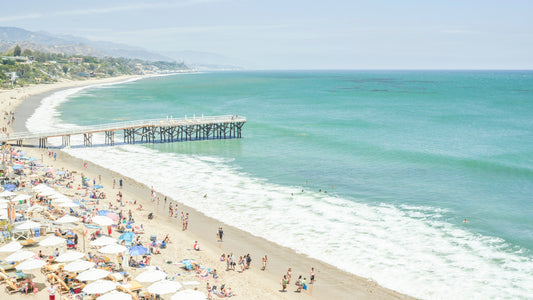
[55, 155]
[114, 182]
[120, 183]
[312, 276]
[52, 292]
[220, 233]
[264, 261]
[284, 283]
[289, 275]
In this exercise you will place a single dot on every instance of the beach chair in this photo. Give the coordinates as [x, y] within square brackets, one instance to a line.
[11, 287]
[63, 288]
[3, 277]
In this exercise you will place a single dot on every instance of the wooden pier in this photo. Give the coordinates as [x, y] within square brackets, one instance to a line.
[143, 131]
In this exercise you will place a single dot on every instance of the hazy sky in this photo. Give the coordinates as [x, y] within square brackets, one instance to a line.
[308, 34]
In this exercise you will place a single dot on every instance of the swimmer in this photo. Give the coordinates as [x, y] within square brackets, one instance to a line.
[464, 221]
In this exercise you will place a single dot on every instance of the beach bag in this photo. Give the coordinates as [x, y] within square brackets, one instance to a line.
[305, 286]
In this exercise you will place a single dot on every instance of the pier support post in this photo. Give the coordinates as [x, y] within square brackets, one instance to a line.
[88, 139]
[110, 138]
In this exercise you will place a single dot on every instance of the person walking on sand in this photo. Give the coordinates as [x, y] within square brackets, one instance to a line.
[284, 283]
[220, 233]
[120, 183]
[264, 261]
[289, 275]
[312, 276]
[114, 182]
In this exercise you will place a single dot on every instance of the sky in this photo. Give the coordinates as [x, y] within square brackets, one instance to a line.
[294, 34]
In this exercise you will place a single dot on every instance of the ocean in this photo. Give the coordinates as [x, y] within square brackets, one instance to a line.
[370, 171]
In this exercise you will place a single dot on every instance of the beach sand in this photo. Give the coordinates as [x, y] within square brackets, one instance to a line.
[331, 282]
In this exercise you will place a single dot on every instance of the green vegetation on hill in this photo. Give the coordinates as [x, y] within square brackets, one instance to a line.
[19, 67]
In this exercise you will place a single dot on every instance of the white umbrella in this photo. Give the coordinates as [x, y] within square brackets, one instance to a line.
[67, 219]
[30, 264]
[188, 295]
[52, 241]
[11, 247]
[115, 295]
[69, 256]
[61, 199]
[67, 204]
[99, 287]
[151, 276]
[102, 220]
[103, 241]
[93, 274]
[164, 287]
[28, 225]
[36, 208]
[21, 197]
[78, 266]
[20, 255]
[113, 248]
[41, 187]
[7, 194]
[49, 192]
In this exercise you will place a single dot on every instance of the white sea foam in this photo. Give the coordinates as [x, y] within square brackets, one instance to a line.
[406, 248]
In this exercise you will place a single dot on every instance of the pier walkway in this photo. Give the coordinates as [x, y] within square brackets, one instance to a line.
[144, 131]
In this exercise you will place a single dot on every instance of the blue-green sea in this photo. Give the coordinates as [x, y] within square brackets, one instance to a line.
[370, 171]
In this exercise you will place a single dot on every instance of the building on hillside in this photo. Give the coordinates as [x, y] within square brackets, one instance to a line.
[76, 60]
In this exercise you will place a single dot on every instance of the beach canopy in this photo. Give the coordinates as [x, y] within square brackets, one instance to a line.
[52, 241]
[28, 225]
[103, 241]
[188, 295]
[151, 276]
[113, 248]
[138, 250]
[98, 186]
[20, 255]
[102, 220]
[11, 247]
[67, 219]
[17, 167]
[164, 287]
[69, 256]
[115, 295]
[7, 192]
[99, 287]
[93, 274]
[30, 264]
[127, 236]
[20, 197]
[78, 266]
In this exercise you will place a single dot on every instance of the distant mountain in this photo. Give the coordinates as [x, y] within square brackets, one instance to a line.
[206, 60]
[71, 45]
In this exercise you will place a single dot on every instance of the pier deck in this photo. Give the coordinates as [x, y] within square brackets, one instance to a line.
[145, 131]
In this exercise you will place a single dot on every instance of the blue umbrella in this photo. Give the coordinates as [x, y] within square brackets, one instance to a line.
[60, 173]
[138, 250]
[97, 186]
[17, 167]
[24, 157]
[104, 212]
[32, 159]
[9, 187]
[127, 236]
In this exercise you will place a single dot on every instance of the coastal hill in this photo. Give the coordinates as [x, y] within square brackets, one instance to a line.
[71, 45]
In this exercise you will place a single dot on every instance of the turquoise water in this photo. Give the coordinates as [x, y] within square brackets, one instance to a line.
[421, 149]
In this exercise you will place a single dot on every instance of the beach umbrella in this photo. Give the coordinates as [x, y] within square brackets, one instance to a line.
[52, 241]
[78, 266]
[60, 173]
[17, 167]
[36, 208]
[69, 256]
[127, 236]
[188, 295]
[8, 192]
[30, 264]
[113, 248]
[151, 276]
[20, 255]
[47, 192]
[20, 197]
[67, 219]
[67, 204]
[115, 295]
[99, 287]
[28, 225]
[113, 216]
[138, 250]
[103, 241]
[164, 287]
[98, 186]
[11, 247]
[41, 187]
[93, 274]
[102, 221]
[103, 212]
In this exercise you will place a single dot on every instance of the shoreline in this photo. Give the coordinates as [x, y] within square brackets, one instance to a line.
[331, 281]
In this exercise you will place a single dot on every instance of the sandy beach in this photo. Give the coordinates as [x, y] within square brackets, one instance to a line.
[331, 283]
